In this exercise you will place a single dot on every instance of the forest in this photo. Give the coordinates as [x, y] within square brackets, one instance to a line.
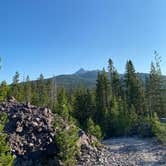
[116, 107]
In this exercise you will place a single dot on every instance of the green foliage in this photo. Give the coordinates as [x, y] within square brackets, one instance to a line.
[114, 80]
[119, 106]
[6, 158]
[135, 94]
[63, 107]
[103, 98]
[42, 91]
[156, 89]
[84, 106]
[144, 128]
[16, 89]
[66, 138]
[93, 129]
[4, 88]
[27, 90]
[159, 129]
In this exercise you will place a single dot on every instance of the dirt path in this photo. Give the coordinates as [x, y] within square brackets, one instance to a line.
[135, 152]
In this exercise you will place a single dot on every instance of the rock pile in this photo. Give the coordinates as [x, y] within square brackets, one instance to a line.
[30, 129]
[31, 136]
[92, 153]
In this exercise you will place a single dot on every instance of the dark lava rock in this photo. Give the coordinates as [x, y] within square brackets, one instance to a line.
[30, 131]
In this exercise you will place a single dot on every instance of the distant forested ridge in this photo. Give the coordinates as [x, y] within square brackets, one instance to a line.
[87, 79]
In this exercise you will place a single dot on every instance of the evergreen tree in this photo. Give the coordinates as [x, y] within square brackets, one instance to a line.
[6, 158]
[115, 82]
[84, 106]
[4, 88]
[63, 106]
[135, 93]
[103, 97]
[15, 89]
[93, 129]
[52, 92]
[116, 86]
[35, 96]
[66, 141]
[42, 91]
[156, 89]
[27, 90]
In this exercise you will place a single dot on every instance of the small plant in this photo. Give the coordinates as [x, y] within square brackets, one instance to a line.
[6, 158]
[93, 129]
[66, 138]
[159, 130]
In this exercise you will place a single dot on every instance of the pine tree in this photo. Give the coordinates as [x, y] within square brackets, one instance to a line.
[52, 92]
[42, 91]
[93, 129]
[35, 96]
[66, 141]
[15, 89]
[115, 81]
[63, 106]
[4, 88]
[84, 106]
[135, 93]
[27, 90]
[156, 89]
[6, 158]
[103, 97]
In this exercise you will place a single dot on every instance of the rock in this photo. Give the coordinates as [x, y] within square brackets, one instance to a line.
[31, 134]
[29, 129]
[19, 129]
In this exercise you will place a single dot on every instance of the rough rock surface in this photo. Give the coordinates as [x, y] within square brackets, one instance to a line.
[31, 135]
[30, 131]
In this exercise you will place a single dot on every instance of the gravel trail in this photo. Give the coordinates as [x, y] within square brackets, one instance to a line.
[134, 152]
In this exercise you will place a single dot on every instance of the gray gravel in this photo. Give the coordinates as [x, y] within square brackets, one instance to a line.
[125, 152]
[135, 152]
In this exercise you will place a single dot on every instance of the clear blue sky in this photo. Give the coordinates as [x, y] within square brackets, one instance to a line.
[60, 36]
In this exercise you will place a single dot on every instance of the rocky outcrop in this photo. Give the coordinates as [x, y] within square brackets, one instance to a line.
[30, 131]
[31, 137]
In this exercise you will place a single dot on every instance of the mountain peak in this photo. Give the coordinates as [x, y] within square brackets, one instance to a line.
[81, 71]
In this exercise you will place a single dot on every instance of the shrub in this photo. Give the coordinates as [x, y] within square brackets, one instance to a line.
[159, 130]
[144, 128]
[93, 129]
[6, 158]
[66, 138]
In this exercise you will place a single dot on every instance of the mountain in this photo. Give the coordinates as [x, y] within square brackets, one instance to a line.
[86, 79]
[81, 77]
[80, 71]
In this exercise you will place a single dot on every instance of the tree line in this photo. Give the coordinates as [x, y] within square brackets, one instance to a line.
[118, 106]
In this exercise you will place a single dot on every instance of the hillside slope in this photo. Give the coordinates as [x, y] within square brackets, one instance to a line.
[86, 78]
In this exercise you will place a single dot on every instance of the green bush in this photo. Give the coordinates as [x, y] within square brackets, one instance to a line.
[159, 130]
[93, 129]
[145, 125]
[6, 158]
[66, 138]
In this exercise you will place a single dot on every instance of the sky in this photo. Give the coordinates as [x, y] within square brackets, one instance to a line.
[56, 37]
